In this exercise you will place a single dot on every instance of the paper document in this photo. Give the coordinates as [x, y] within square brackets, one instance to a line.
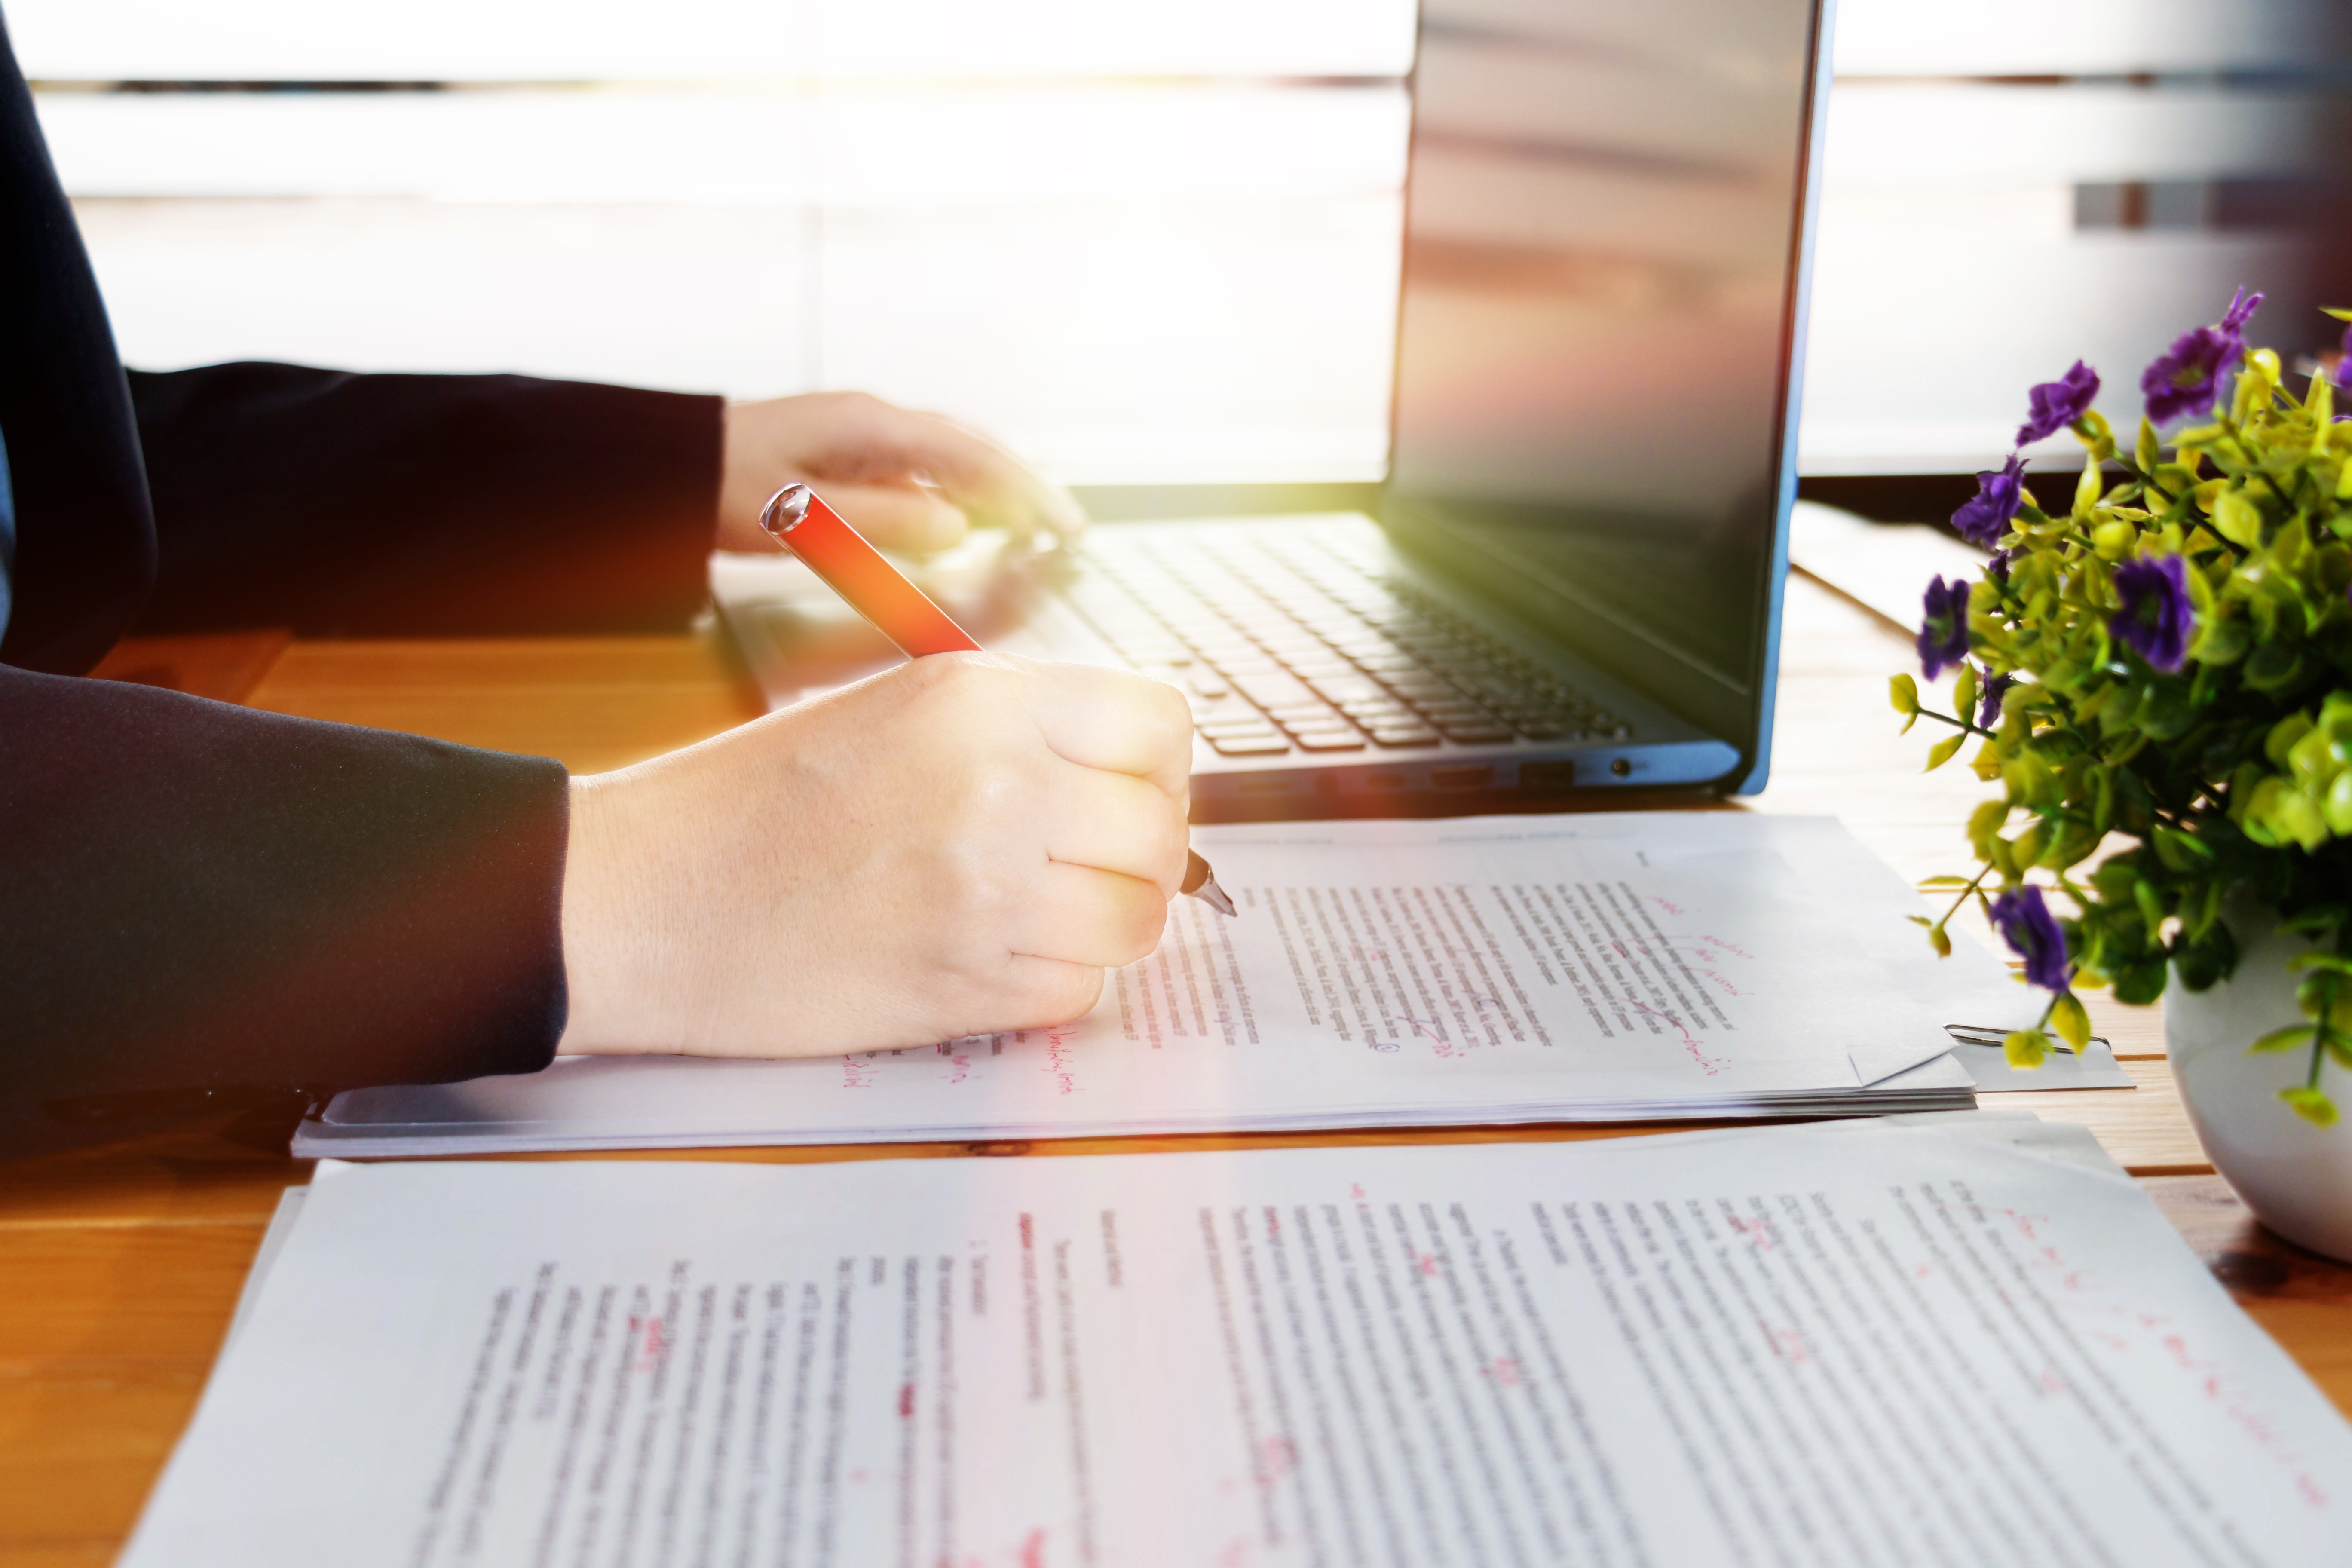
[1622, 966]
[1964, 1340]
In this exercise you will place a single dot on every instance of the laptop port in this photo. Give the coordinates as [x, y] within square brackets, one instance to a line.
[1462, 777]
[1548, 775]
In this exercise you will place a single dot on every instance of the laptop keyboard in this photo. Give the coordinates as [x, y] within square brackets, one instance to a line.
[1289, 639]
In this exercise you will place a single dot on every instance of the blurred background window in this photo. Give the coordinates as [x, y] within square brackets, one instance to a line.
[1145, 242]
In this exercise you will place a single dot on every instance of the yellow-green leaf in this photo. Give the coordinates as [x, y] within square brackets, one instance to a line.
[2237, 520]
[2089, 488]
[1964, 691]
[2073, 1024]
[2312, 1104]
[2026, 1049]
[2284, 1039]
[1903, 692]
[1941, 753]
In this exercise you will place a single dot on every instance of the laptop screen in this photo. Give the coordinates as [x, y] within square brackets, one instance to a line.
[1606, 205]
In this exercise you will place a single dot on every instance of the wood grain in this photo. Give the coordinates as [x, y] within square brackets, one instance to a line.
[591, 703]
[223, 666]
[124, 1262]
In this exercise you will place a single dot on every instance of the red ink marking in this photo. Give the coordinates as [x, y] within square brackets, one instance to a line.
[906, 1401]
[653, 1346]
[1789, 1344]
[1277, 1456]
[1758, 1232]
[1505, 1371]
[1666, 904]
[1057, 1060]
[2310, 1490]
[1273, 1225]
[1356, 1189]
[858, 1072]
[1732, 948]
[2051, 1382]
[1032, 1550]
[1691, 1043]
[1427, 1263]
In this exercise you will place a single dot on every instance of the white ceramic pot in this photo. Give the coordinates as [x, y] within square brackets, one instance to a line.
[2297, 1178]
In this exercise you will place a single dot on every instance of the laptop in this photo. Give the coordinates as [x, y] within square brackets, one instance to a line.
[1570, 582]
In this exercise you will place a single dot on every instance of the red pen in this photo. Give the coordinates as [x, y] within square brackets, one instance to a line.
[854, 569]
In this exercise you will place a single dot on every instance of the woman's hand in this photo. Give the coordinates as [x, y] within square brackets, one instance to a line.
[958, 846]
[906, 481]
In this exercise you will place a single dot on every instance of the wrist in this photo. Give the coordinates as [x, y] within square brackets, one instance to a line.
[606, 997]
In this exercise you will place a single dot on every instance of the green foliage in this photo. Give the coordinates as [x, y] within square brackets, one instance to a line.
[2148, 797]
[2026, 1047]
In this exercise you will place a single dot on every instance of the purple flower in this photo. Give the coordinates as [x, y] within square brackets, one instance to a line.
[2155, 618]
[1996, 686]
[1986, 515]
[2186, 377]
[2054, 405]
[1944, 636]
[2032, 933]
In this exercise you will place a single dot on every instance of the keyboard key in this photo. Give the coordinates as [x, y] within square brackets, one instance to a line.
[1304, 711]
[1249, 745]
[1405, 735]
[1453, 712]
[1239, 724]
[1535, 730]
[1330, 741]
[1477, 734]
[1386, 709]
[1348, 689]
[1275, 691]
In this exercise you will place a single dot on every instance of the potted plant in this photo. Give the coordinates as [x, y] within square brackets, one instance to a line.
[2159, 682]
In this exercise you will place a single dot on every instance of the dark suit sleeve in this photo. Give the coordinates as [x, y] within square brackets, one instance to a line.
[195, 897]
[394, 505]
[199, 895]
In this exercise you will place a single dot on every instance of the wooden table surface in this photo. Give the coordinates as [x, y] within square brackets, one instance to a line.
[121, 1264]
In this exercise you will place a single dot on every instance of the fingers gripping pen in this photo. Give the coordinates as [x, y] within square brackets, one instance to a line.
[854, 569]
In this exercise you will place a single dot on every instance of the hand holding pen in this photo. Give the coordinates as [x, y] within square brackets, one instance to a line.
[863, 576]
[962, 845]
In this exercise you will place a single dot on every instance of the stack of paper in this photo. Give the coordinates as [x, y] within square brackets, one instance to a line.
[1968, 1341]
[1631, 966]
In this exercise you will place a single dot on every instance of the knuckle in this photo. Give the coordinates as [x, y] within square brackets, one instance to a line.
[1144, 920]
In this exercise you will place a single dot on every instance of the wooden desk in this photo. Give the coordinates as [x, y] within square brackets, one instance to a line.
[122, 1264]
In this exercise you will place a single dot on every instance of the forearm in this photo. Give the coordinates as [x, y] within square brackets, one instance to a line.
[416, 504]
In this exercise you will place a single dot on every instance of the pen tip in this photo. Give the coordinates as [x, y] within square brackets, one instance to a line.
[1215, 897]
